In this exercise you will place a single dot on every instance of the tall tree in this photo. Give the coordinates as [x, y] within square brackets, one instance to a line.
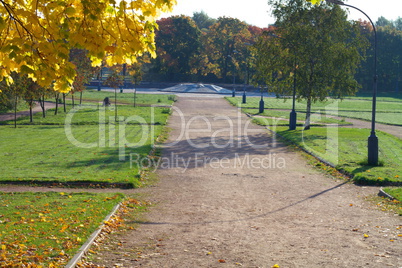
[326, 46]
[382, 22]
[203, 21]
[178, 47]
[398, 24]
[226, 43]
[38, 35]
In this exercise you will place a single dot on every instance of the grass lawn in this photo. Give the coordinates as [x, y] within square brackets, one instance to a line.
[45, 229]
[127, 98]
[85, 145]
[281, 117]
[395, 192]
[389, 109]
[346, 148]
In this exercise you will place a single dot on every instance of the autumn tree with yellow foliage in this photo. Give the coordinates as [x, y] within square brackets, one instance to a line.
[37, 35]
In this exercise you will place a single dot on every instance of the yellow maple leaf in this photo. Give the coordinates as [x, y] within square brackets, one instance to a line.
[63, 228]
[315, 2]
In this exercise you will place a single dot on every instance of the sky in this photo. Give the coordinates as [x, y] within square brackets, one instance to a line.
[257, 12]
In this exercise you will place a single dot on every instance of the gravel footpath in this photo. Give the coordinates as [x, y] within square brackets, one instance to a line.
[223, 200]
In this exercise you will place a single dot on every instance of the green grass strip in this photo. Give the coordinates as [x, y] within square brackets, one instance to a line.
[45, 229]
[346, 148]
[85, 145]
[388, 108]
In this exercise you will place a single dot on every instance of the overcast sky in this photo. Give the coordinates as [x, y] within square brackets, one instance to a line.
[257, 12]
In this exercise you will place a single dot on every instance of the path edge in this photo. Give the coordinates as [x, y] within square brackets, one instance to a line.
[85, 247]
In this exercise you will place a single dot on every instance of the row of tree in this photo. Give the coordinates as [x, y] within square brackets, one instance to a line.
[203, 49]
[316, 44]
[26, 91]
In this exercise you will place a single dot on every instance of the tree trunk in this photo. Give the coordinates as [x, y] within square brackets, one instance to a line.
[42, 105]
[115, 104]
[72, 99]
[135, 92]
[57, 103]
[15, 111]
[64, 102]
[80, 98]
[308, 114]
[30, 110]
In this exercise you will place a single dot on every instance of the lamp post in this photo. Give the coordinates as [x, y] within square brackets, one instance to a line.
[244, 100]
[246, 73]
[372, 143]
[234, 78]
[293, 114]
[261, 108]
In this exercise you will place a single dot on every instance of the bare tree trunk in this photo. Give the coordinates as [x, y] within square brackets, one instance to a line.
[57, 95]
[135, 92]
[15, 111]
[42, 105]
[115, 104]
[308, 114]
[30, 110]
[64, 102]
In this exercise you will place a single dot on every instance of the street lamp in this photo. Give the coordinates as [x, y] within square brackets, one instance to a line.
[234, 79]
[261, 108]
[244, 100]
[293, 114]
[372, 143]
[234, 70]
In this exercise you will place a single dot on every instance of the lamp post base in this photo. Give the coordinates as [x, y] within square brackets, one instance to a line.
[372, 150]
[292, 120]
[244, 98]
[233, 93]
[261, 108]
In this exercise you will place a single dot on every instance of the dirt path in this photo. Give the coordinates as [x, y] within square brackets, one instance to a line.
[225, 201]
[393, 130]
[36, 109]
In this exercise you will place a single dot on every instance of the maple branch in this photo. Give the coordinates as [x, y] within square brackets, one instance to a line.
[12, 15]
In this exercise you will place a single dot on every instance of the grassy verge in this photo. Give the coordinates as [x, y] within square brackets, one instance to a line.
[347, 150]
[46, 229]
[388, 107]
[394, 192]
[127, 98]
[281, 117]
[386, 204]
[133, 215]
[83, 146]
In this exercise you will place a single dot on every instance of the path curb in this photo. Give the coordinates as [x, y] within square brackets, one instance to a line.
[84, 248]
[386, 195]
